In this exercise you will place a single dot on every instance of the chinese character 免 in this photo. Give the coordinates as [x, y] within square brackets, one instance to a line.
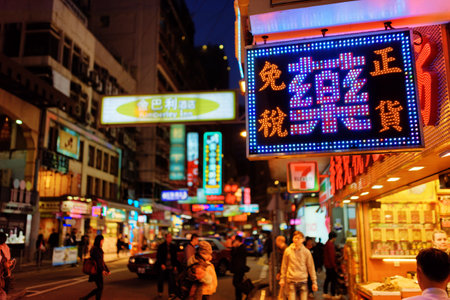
[390, 114]
[327, 88]
[270, 119]
[269, 74]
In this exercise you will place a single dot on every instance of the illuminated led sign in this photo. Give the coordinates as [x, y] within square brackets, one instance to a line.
[339, 94]
[168, 108]
[192, 162]
[212, 163]
[174, 195]
[249, 208]
[207, 207]
[303, 177]
[177, 152]
[68, 143]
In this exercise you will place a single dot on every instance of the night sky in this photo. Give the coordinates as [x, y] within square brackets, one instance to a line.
[214, 25]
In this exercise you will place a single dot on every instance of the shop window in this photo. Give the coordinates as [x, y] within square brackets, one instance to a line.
[114, 166]
[11, 42]
[41, 39]
[67, 51]
[98, 187]
[105, 162]
[89, 183]
[112, 190]
[81, 151]
[98, 159]
[105, 190]
[91, 156]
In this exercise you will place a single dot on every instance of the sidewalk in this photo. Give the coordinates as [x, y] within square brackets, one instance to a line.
[47, 263]
[264, 293]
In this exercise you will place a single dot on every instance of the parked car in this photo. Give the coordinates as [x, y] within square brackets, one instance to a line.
[253, 246]
[143, 264]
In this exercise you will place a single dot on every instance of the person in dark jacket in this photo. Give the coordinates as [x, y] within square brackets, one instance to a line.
[238, 265]
[329, 261]
[167, 265]
[40, 249]
[102, 269]
[189, 250]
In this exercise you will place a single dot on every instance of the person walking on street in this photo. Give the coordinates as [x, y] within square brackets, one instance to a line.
[83, 247]
[102, 270]
[119, 244]
[40, 249]
[167, 265]
[329, 261]
[433, 274]
[203, 257]
[53, 241]
[238, 265]
[318, 255]
[7, 263]
[276, 258]
[189, 251]
[297, 264]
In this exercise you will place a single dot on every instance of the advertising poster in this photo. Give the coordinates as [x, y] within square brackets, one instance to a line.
[64, 255]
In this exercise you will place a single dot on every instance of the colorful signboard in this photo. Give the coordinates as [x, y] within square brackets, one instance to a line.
[198, 199]
[177, 195]
[197, 107]
[64, 255]
[231, 210]
[114, 214]
[68, 143]
[339, 94]
[192, 162]
[303, 177]
[207, 207]
[249, 208]
[177, 152]
[212, 163]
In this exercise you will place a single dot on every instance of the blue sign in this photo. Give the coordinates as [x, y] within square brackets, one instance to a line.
[249, 208]
[178, 195]
[339, 94]
[212, 163]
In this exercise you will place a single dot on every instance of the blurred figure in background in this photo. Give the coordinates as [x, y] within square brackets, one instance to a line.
[440, 240]
[329, 261]
[276, 258]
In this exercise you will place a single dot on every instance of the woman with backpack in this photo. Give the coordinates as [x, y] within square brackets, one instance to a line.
[102, 269]
[203, 257]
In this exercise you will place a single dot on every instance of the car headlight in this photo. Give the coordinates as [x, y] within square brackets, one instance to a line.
[132, 260]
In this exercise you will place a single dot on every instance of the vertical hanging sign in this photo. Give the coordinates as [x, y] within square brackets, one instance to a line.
[212, 163]
[177, 156]
[192, 163]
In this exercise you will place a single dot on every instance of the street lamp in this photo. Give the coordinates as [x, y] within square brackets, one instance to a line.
[243, 133]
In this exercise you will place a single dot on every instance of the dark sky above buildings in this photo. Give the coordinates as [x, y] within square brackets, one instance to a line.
[214, 25]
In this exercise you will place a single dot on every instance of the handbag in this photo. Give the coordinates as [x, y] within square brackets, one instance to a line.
[246, 285]
[89, 266]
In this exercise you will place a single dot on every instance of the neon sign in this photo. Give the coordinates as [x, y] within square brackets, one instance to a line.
[174, 195]
[192, 163]
[177, 152]
[341, 94]
[212, 163]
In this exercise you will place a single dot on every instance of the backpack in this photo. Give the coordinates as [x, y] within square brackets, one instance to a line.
[89, 266]
[185, 281]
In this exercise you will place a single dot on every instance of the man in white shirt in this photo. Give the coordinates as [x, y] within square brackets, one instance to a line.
[433, 273]
[297, 264]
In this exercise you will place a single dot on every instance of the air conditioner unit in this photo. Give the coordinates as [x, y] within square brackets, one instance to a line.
[77, 110]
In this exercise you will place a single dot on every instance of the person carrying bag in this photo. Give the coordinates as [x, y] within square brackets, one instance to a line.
[100, 267]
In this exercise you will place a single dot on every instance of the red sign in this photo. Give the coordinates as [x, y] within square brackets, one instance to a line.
[344, 169]
[303, 177]
[427, 80]
[215, 199]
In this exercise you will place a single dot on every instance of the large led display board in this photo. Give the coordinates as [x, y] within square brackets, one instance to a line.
[197, 107]
[339, 94]
[212, 163]
[177, 152]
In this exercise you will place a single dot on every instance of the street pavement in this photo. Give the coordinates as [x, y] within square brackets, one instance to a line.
[67, 282]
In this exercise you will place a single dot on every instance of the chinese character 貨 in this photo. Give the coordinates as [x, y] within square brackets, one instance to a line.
[268, 75]
[390, 114]
[270, 119]
[327, 92]
[384, 60]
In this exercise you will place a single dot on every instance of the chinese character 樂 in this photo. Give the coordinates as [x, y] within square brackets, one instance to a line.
[327, 94]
